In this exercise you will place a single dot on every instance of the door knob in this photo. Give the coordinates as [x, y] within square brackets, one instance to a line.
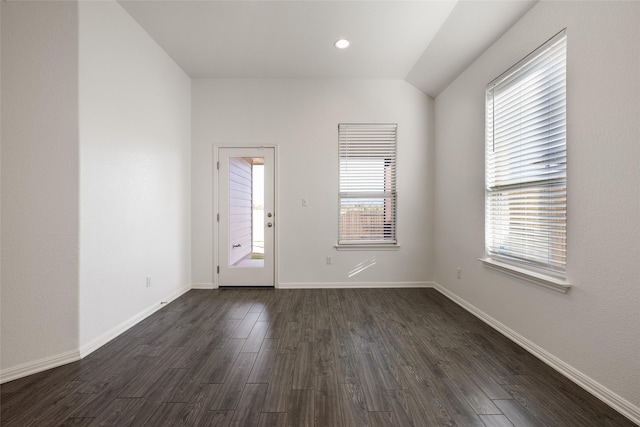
[269, 224]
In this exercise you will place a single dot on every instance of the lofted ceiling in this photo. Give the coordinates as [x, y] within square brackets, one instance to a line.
[426, 42]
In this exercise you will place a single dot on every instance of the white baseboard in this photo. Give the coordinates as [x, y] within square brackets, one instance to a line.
[333, 285]
[203, 286]
[349, 285]
[95, 344]
[40, 365]
[617, 402]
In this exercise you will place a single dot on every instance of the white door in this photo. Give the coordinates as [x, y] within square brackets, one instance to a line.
[247, 220]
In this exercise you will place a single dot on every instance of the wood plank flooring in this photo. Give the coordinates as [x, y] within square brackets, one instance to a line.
[339, 357]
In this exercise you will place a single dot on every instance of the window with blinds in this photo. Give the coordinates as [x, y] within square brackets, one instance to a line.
[367, 184]
[526, 160]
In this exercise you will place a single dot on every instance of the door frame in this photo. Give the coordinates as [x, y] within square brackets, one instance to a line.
[216, 204]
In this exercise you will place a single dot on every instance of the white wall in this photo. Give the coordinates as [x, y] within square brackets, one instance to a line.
[301, 117]
[594, 328]
[39, 182]
[135, 155]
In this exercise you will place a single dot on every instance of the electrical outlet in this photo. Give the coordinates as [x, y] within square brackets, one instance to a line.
[329, 260]
[148, 282]
[459, 273]
[305, 202]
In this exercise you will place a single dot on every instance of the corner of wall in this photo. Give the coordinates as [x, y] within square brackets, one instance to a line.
[40, 179]
[135, 172]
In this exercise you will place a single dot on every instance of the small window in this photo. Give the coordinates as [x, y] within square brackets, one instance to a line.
[526, 160]
[367, 184]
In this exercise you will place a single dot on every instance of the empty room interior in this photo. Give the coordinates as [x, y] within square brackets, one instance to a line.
[329, 213]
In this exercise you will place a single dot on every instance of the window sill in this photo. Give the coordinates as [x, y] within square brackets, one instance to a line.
[368, 247]
[550, 282]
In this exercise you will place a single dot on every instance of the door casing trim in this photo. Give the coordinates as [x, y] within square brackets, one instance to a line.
[216, 203]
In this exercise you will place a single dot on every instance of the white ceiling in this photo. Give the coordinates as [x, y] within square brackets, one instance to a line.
[427, 43]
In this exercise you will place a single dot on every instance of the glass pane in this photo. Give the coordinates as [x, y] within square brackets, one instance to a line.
[246, 212]
[367, 219]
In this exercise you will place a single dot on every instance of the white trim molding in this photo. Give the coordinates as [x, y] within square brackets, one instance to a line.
[615, 401]
[39, 365]
[347, 285]
[203, 286]
[530, 276]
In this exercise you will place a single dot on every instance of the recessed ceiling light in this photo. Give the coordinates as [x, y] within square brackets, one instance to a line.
[342, 44]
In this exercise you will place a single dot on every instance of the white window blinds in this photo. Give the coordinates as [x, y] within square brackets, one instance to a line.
[367, 184]
[526, 158]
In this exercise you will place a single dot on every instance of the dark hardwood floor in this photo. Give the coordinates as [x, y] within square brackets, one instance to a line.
[344, 357]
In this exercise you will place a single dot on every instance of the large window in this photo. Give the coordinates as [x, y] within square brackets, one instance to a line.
[526, 159]
[367, 184]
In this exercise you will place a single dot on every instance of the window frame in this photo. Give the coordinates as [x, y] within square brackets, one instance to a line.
[355, 149]
[513, 181]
